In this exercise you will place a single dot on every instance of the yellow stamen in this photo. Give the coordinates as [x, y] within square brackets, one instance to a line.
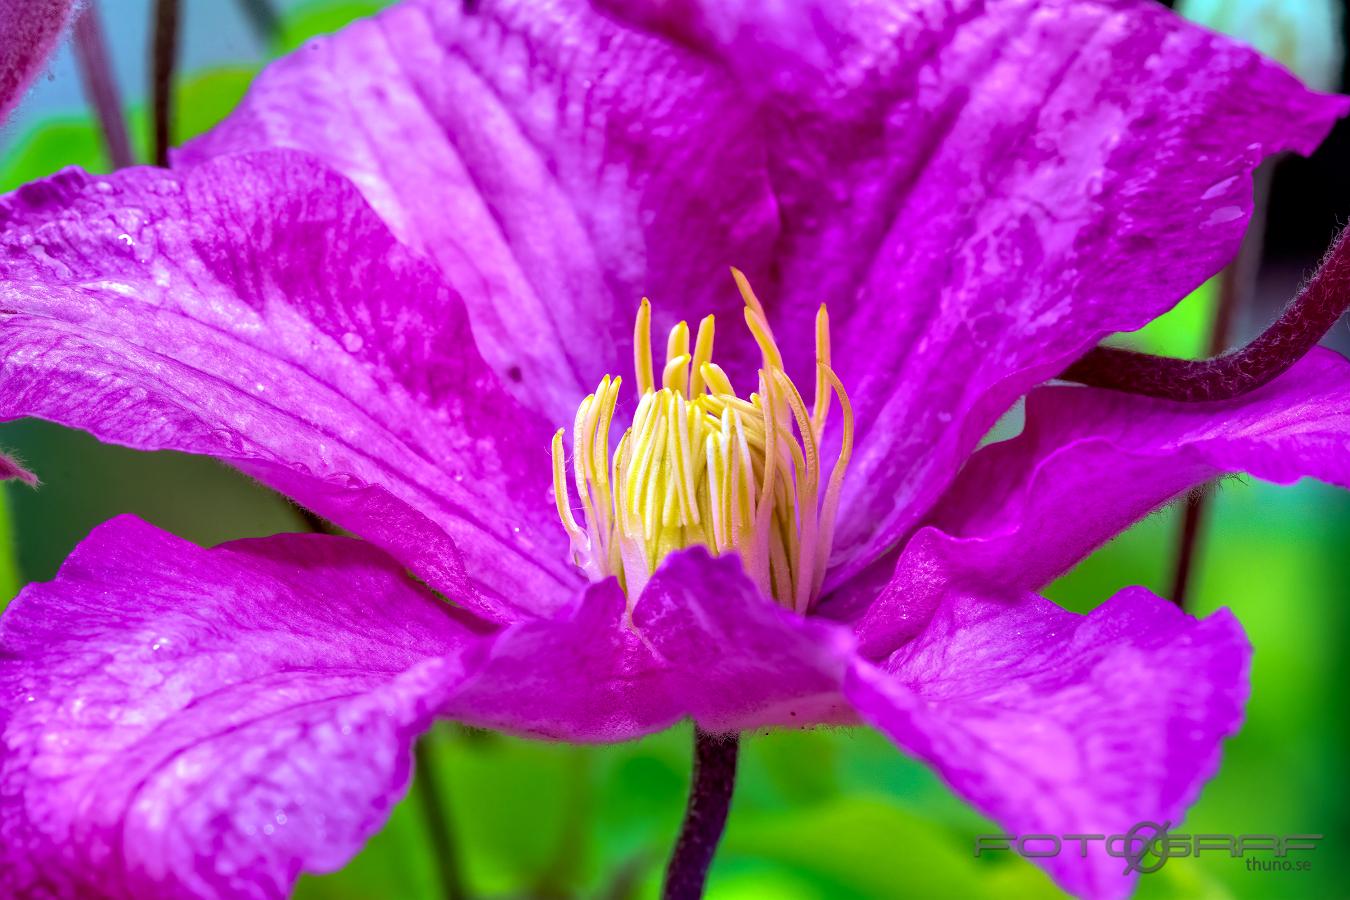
[716, 380]
[642, 349]
[702, 356]
[823, 393]
[569, 521]
[701, 465]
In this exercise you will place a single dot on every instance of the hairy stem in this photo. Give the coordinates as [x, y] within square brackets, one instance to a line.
[161, 79]
[91, 52]
[710, 792]
[1298, 329]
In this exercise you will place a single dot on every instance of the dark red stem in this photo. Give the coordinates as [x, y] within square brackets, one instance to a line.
[165, 59]
[710, 791]
[1298, 329]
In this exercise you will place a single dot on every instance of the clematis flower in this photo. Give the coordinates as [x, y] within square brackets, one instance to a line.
[28, 33]
[419, 248]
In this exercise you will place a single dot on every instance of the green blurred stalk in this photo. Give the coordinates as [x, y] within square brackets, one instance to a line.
[10, 582]
[100, 87]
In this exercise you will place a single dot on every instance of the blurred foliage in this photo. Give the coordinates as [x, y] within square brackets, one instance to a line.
[308, 20]
[1304, 35]
[9, 567]
[823, 813]
[202, 99]
[1182, 331]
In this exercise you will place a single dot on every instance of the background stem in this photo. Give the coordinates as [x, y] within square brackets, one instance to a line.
[161, 79]
[427, 784]
[100, 88]
[1237, 284]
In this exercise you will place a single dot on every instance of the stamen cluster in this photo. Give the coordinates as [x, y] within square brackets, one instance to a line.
[702, 466]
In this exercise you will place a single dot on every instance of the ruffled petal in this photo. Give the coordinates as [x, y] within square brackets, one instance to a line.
[983, 190]
[256, 310]
[1090, 463]
[701, 643]
[188, 722]
[28, 33]
[1057, 723]
[586, 165]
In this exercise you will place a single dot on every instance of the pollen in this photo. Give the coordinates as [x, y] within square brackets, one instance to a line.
[701, 465]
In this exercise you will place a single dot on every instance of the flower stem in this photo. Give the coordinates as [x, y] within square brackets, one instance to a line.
[161, 86]
[91, 52]
[1298, 329]
[438, 824]
[710, 792]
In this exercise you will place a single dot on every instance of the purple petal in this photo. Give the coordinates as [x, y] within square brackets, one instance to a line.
[1090, 463]
[702, 643]
[1056, 723]
[188, 722]
[586, 165]
[256, 310]
[981, 191]
[28, 33]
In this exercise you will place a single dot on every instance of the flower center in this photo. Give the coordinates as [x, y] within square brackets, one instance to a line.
[702, 465]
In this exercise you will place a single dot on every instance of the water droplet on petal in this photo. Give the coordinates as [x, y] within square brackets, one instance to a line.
[353, 342]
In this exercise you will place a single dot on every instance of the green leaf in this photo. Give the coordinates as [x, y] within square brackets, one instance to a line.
[869, 846]
[50, 146]
[310, 19]
[207, 97]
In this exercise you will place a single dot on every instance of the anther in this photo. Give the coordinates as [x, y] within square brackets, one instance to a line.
[700, 465]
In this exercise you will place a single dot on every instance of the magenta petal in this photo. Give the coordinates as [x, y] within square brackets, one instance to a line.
[1020, 506]
[1090, 463]
[585, 163]
[256, 310]
[179, 721]
[1056, 723]
[981, 191]
[990, 188]
[702, 643]
[28, 33]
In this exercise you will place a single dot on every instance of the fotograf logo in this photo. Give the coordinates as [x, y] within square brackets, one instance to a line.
[1148, 846]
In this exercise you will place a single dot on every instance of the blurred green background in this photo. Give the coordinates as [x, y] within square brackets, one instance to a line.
[822, 813]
